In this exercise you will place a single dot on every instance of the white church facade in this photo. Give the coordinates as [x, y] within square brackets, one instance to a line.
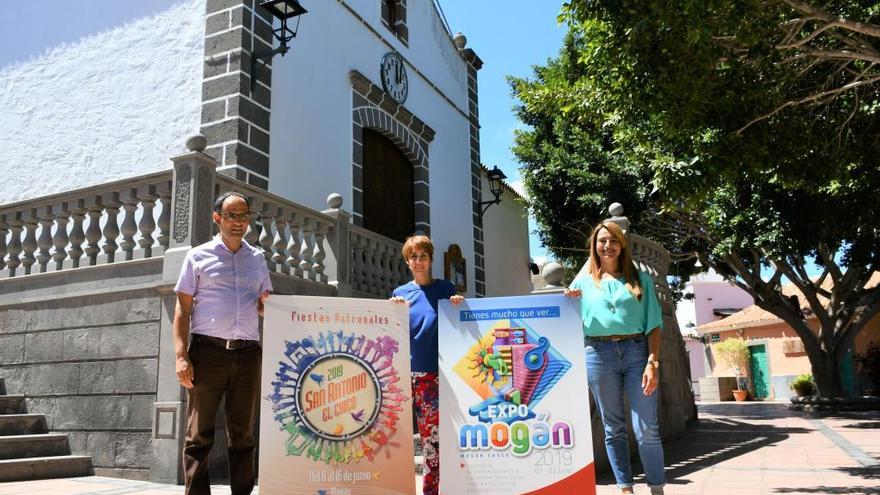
[366, 131]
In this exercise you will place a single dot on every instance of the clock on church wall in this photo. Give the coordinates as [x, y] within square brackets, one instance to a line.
[394, 79]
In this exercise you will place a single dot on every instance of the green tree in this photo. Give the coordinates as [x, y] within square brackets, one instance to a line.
[734, 134]
[735, 353]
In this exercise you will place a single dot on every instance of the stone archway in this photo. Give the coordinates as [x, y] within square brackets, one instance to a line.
[374, 110]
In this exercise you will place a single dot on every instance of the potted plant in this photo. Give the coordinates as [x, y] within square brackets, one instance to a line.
[802, 385]
[735, 353]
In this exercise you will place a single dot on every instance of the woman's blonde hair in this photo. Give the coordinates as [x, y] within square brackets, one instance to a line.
[625, 263]
[421, 242]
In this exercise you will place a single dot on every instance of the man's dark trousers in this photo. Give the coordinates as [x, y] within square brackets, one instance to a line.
[235, 374]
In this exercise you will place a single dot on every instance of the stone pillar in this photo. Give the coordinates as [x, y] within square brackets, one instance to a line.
[191, 225]
[338, 262]
[191, 205]
[616, 211]
[473, 65]
[235, 111]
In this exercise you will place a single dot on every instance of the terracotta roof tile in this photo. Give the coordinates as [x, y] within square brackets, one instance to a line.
[753, 316]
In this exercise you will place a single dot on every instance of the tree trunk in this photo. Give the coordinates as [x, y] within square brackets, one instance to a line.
[820, 350]
[826, 373]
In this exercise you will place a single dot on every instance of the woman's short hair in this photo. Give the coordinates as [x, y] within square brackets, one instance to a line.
[420, 242]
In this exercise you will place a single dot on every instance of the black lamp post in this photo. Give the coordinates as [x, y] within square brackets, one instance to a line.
[283, 10]
[495, 187]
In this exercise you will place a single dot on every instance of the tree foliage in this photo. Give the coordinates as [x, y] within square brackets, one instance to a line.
[734, 133]
[734, 353]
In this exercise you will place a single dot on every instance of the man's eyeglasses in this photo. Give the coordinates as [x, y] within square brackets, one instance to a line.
[228, 215]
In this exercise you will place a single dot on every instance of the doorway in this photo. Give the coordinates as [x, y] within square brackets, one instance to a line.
[759, 371]
[387, 188]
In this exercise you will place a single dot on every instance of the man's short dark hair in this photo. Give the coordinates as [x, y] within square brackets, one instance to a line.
[218, 203]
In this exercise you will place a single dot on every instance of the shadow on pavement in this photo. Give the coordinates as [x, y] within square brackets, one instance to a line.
[749, 410]
[870, 425]
[867, 473]
[711, 441]
[831, 490]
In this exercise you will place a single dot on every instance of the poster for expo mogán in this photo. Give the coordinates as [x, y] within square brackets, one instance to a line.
[514, 409]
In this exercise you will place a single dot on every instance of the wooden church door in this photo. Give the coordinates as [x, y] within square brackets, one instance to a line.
[388, 188]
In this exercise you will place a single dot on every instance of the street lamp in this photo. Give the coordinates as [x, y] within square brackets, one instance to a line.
[283, 10]
[495, 187]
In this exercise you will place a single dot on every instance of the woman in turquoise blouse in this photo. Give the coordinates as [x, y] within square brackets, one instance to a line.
[622, 321]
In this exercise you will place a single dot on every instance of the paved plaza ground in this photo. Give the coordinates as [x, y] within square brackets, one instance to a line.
[754, 448]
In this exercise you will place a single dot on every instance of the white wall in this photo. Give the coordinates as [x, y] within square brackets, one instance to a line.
[712, 292]
[505, 244]
[311, 150]
[115, 104]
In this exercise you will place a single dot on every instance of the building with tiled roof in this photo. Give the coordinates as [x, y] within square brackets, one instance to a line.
[777, 352]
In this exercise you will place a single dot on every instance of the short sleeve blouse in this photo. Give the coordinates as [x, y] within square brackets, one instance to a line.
[611, 309]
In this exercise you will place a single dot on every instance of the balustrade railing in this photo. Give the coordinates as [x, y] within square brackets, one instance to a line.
[82, 227]
[650, 256]
[653, 258]
[377, 265]
[293, 237]
[131, 219]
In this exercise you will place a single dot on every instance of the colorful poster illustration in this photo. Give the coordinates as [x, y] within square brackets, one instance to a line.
[514, 407]
[336, 401]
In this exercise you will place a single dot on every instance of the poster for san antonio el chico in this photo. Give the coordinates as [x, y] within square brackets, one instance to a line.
[336, 400]
[514, 408]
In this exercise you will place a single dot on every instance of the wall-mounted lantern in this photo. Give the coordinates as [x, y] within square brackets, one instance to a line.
[283, 10]
[495, 187]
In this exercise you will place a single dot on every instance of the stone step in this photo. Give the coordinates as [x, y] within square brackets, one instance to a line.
[22, 424]
[42, 445]
[12, 404]
[35, 468]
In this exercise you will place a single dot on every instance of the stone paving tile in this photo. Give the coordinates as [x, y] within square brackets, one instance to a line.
[734, 449]
[762, 448]
[96, 485]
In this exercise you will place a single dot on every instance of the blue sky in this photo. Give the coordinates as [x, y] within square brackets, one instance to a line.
[509, 35]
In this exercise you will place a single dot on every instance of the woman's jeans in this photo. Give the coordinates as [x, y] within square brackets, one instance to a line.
[615, 368]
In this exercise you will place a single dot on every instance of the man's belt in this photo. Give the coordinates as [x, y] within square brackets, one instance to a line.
[613, 338]
[229, 345]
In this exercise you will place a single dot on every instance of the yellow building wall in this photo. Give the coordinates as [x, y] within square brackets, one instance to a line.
[775, 336]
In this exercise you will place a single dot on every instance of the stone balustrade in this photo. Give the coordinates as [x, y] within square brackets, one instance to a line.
[653, 258]
[377, 265]
[293, 237]
[148, 217]
[118, 221]
[650, 255]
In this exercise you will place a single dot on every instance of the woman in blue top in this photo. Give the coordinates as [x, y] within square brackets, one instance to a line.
[422, 295]
[622, 321]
